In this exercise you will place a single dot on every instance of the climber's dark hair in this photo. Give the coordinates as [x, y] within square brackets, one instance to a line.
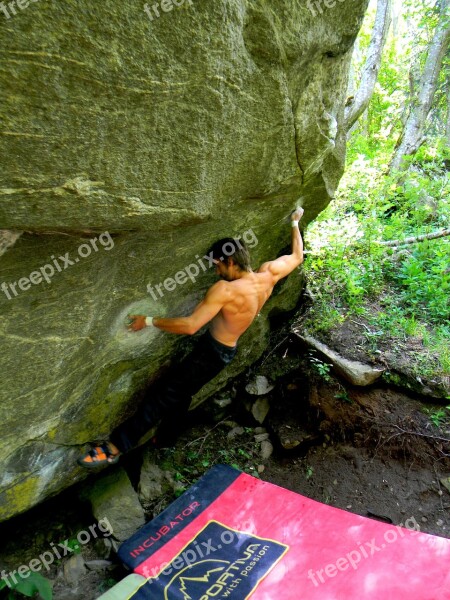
[234, 248]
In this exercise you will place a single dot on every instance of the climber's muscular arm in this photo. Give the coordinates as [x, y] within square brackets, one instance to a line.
[282, 266]
[216, 297]
[206, 310]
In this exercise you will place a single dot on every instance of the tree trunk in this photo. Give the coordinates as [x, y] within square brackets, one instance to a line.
[372, 65]
[413, 134]
[447, 126]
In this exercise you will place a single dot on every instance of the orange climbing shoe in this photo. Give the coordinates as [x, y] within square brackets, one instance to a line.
[98, 456]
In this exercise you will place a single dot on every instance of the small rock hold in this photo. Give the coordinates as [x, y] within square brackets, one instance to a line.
[98, 565]
[74, 569]
[230, 424]
[260, 437]
[259, 386]
[424, 519]
[259, 430]
[266, 449]
[260, 409]
[261, 469]
[439, 522]
[235, 432]
[223, 402]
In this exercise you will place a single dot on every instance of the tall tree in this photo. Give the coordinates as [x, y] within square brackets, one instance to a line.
[413, 134]
[372, 65]
[447, 125]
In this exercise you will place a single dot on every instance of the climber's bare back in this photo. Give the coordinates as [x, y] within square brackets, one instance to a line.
[243, 299]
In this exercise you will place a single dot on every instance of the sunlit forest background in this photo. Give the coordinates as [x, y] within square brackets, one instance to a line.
[380, 253]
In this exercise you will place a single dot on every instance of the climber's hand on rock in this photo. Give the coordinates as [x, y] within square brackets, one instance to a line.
[137, 322]
[297, 214]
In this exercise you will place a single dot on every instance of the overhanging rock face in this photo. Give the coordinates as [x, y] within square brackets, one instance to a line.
[128, 146]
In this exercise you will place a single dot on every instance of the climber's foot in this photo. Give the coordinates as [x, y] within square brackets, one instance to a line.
[98, 456]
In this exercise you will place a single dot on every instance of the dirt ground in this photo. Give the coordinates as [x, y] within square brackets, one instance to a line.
[375, 454]
[371, 451]
[375, 457]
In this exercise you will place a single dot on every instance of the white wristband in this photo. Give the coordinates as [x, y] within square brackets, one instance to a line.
[294, 223]
[149, 321]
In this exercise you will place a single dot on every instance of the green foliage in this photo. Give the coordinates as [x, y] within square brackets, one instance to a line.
[74, 545]
[33, 584]
[401, 291]
[438, 416]
[106, 585]
[320, 367]
[424, 284]
[344, 397]
[403, 60]
[241, 452]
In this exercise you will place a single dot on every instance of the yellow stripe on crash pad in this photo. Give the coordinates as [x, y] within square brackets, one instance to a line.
[125, 588]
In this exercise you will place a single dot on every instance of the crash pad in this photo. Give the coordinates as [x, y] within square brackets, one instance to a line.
[234, 536]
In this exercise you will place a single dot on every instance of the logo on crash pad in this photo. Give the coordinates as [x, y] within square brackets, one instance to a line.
[235, 564]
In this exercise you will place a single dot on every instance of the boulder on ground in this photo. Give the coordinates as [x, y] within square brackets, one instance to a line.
[129, 145]
[115, 503]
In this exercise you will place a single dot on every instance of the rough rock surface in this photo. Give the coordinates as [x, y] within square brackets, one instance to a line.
[153, 482]
[353, 371]
[113, 498]
[212, 120]
[259, 386]
[260, 409]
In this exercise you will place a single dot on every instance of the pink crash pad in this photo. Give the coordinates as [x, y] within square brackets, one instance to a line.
[234, 536]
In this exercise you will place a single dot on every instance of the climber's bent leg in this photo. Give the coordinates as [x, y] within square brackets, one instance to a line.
[172, 395]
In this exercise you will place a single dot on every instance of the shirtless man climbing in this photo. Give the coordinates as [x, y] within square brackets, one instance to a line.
[230, 306]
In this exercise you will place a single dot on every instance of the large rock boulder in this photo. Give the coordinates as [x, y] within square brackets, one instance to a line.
[129, 144]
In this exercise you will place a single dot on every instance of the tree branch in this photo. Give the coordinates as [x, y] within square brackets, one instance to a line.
[413, 240]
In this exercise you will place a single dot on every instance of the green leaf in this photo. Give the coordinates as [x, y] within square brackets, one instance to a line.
[44, 587]
[26, 588]
[35, 583]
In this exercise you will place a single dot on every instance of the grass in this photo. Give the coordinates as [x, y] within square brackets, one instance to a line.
[195, 458]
